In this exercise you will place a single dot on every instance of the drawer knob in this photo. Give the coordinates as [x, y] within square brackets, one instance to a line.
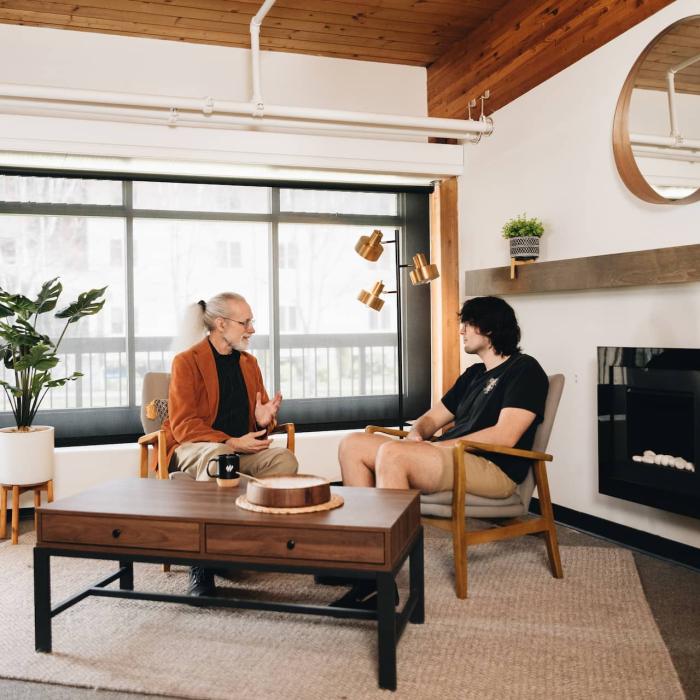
[291, 544]
[116, 532]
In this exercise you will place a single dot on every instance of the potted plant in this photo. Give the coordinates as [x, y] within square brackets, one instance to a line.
[523, 235]
[26, 450]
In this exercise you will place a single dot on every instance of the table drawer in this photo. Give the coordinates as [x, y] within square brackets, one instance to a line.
[296, 543]
[120, 532]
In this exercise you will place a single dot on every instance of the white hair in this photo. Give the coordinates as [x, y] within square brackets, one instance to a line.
[217, 306]
[198, 319]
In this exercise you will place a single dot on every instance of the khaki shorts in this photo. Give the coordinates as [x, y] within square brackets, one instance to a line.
[484, 478]
[193, 457]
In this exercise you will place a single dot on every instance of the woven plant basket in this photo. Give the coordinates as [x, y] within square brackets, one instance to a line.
[524, 247]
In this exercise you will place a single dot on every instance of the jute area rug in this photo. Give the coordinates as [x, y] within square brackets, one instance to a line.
[521, 634]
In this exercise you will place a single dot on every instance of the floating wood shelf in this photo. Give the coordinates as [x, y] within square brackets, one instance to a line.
[637, 268]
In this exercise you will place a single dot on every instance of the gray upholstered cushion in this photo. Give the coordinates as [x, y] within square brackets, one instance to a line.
[491, 511]
[445, 498]
[440, 505]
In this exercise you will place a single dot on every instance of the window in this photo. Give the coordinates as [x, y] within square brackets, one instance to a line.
[288, 318]
[379, 322]
[161, 246]
[183, 257]
[8, 251]
[287, 255]
[116, 252]
[229, 254]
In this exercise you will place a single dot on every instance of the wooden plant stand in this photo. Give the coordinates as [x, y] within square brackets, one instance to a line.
[514, 263]
[17, 491]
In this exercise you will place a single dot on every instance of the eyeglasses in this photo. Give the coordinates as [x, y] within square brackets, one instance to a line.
[250, 323]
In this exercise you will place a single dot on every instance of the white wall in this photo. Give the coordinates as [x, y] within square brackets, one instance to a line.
[40, 56]
[559, 166]
[68, 59]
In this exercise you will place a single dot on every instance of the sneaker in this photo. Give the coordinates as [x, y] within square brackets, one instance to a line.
[201, 582]
[362, 596]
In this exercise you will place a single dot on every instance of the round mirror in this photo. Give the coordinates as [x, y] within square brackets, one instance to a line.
[656, 133]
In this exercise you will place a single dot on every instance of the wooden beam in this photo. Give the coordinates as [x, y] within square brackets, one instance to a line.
[638, 268]
[444, 292]
[524, 44]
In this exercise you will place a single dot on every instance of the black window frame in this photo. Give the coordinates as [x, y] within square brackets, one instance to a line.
[82, 427]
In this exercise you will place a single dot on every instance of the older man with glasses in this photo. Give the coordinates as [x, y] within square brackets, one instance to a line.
[217, 404]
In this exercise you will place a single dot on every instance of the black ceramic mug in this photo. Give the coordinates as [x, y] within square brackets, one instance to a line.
[227, 469]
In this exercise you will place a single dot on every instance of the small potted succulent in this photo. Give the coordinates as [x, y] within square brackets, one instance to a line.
[523, 234]
[26, 450]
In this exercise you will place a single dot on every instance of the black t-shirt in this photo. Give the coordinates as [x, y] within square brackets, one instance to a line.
[232, 416]
[477, 397]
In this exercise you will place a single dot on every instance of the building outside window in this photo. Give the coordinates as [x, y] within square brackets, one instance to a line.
[229, 254]
[8, 251]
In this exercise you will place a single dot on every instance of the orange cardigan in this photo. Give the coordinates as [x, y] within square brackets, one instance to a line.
[193, 397]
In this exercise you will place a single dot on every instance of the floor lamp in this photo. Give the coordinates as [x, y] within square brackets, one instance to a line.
[422, 272]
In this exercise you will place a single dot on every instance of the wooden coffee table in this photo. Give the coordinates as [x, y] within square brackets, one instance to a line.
[197, 523]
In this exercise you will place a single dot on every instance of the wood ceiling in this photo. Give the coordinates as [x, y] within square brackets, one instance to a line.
[468, 46]
[523, 44]
[674, 47]
[413, 32]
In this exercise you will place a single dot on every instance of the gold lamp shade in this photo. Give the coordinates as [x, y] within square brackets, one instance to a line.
[423, 272]
[370, 247]
[372, 299]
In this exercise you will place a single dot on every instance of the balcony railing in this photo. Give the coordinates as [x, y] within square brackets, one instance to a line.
[311, 366]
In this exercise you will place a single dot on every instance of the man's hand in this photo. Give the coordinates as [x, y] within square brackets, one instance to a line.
[266, 413]
[414, 435]
[250, 443]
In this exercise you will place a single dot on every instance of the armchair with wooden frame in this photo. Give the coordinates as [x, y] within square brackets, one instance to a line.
[154, 411]
[448, 510]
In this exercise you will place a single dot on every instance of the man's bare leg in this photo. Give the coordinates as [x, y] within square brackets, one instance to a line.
[408, 465]
[357, 454]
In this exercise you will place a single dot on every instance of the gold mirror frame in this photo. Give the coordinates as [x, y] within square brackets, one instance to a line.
[622, 147]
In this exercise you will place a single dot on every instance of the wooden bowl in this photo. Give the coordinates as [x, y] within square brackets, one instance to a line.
[289, 491]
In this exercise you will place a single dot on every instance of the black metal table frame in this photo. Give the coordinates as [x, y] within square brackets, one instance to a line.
[390, 623]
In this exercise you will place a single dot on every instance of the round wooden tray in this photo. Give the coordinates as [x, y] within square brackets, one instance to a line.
[296, 491]
[335, 502]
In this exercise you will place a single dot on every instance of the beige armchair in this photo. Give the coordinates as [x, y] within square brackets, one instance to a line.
[154, 411]
[448, 510]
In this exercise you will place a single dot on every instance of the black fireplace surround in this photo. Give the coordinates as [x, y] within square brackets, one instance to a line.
[649, 426]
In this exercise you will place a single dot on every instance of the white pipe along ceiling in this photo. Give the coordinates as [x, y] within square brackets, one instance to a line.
[675, 140]
[207, 111]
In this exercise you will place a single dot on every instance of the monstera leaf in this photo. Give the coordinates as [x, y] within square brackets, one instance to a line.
[40, 357]
[48, 296]
[86, 304]
[16, 340]
[60, 382]
[22, 306]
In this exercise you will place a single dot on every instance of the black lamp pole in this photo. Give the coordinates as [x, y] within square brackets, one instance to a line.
[399, 340]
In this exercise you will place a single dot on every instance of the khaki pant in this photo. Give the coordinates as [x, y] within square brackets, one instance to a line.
[484, 478]
[193, 457]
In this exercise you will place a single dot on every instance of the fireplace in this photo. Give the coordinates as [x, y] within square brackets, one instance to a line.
[649, 426]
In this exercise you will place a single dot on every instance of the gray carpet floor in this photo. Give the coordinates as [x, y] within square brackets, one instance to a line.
[672, 592]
